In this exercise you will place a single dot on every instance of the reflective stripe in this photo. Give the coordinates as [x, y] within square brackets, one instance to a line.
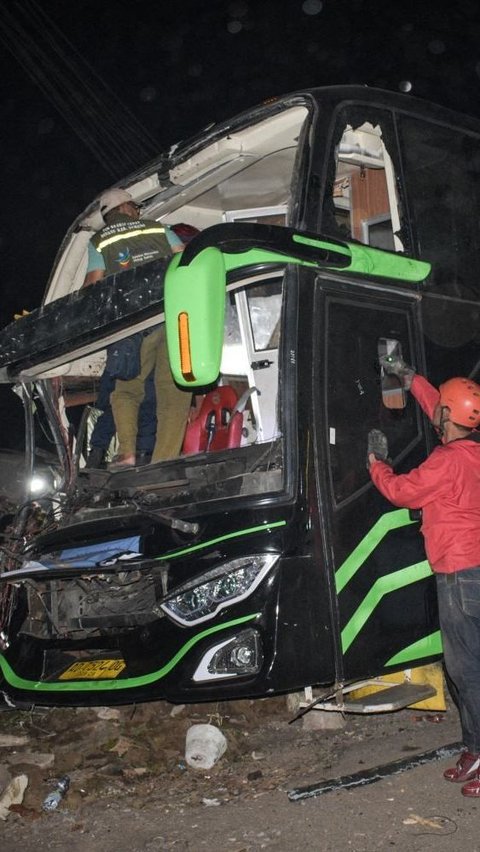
[115, 239]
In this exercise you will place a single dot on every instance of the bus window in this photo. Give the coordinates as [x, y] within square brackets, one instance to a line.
[264, 305]
[354, 400]
[442, 178]
[362, 203]
[250, 350]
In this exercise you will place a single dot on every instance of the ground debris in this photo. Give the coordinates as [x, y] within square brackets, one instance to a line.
[33, 758]
[204, 746]
[137, 754]
[11, 741]
[122, 745]
[148, 797]
[12, 795]
[414, 819]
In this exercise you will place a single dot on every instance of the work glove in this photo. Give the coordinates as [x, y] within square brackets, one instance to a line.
[396, 366]
[377, 445]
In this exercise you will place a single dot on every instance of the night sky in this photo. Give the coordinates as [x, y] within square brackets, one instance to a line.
[176, 67]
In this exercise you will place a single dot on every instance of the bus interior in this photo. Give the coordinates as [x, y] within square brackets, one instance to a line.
[251, 174]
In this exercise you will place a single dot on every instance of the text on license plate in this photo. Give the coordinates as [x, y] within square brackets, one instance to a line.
[93, 670]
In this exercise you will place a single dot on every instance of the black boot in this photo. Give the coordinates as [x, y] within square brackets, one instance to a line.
[143, 458]
[95, 458]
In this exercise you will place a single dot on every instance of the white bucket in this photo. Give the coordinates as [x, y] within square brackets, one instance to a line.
[204, 745]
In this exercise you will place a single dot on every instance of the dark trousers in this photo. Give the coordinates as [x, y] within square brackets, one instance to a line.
[459, 608]
[172, 402]
[104, 428]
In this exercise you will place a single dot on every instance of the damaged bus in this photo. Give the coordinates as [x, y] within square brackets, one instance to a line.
[335, 224]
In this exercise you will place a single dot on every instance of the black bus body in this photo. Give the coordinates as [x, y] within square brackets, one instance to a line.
[270, 564]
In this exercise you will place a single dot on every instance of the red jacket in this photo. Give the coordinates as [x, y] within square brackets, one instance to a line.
[447, 488]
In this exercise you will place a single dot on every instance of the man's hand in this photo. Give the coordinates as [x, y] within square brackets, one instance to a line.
[396, 366]
[377, 447]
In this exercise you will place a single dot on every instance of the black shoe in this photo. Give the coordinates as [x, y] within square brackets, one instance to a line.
[144, 458]
[95, 458]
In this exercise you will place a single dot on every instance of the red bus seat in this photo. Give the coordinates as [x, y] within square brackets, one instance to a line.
[219, 423]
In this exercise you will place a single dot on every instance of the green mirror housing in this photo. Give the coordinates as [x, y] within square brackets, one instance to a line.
[195, 283]
[194, 317]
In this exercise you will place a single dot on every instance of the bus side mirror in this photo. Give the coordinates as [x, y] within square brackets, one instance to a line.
[393, 394]
[195, 316]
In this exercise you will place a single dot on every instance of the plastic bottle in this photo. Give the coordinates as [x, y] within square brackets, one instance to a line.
[54, 798]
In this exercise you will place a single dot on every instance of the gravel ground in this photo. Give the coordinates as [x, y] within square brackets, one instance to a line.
[131, 788]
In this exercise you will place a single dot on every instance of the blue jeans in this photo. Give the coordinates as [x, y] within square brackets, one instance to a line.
[459, 609]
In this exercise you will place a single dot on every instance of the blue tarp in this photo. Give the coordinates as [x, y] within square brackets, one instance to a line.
[92, 554]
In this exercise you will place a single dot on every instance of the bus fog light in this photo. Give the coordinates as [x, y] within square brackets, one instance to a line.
[242, 655]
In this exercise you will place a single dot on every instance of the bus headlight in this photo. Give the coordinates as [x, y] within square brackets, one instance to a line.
[226, 584]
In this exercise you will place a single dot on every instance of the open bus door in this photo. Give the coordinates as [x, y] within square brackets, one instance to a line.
[376, 550]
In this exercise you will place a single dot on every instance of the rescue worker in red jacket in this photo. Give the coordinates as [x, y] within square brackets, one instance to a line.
[446, 487]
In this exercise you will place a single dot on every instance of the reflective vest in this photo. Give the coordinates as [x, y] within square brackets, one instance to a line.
[130, 242]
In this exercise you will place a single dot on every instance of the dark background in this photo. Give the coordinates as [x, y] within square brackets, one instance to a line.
[177, 67]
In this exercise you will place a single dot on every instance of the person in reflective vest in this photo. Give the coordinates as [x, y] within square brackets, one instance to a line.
[127, 241]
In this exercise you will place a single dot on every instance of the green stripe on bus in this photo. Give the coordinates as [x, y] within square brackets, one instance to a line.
[383, 586]
[387, 522]
[429, 646]
[110, 685]
[249, 531]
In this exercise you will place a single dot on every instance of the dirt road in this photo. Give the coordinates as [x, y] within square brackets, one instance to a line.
[132, 790]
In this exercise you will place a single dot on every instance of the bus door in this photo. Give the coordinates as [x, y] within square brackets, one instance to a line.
[386, 600]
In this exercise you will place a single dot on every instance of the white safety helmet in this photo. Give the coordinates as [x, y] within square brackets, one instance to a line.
[112, 198]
